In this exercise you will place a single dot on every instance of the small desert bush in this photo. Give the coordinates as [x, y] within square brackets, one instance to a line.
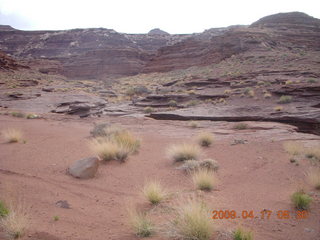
[193, 124]
[288, 82]
[154, 192]
[195, 165]
[314, 178]
[192, 103]
[12, 135]
[4, 210]
[15, 223]
[205, 139]
[278, 108]
[18, 114]
[241, 234]
[227, 91]
[148, 110]
[267, 95]
[301, 200]
[240, 126]
[247, 90]
[285, 99]
[173, 103]
[140, 223]
[204, 179]
[312, 80]
[183, 152]
[192, 222]
[293, 148]
[32, 116]
[313, 152]
[108, 150]
[127, 140]
[251, 93]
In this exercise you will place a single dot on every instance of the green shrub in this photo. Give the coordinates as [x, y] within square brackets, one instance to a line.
[285, 99]
[301, 200]
[241, 234]
[4, 211]
[240, 126]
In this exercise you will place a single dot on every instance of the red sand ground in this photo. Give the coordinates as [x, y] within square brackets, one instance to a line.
[253, 176]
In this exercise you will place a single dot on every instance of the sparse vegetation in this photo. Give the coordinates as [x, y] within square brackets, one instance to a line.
[192, 222]
[195, 165]
[312, 80]
[32, 116]
[312, 152]
[204, 179]
[148, 110]
[205, 139]
[140, 223]
[240, 126]
[173, 103]
[56, 218]
[227, 91]
[278, 108]
[301, 200]
[183, 152]
[108, 150]
[314, 178]
[285, 99]
[12, 135]
[15, 223]
[242, 234]
[4, 210]
[126, 140]
[288, 82]
[154, 192]
[18, 114]
[193, 124]
[192, 103]
[293, 148]
[267, 95]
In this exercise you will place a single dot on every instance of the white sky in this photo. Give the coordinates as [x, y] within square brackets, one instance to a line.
[140, 16]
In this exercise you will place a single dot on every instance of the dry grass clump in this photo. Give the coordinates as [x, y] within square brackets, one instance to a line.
[313, 152]
[140, 223]
[114, 143]
[242, 234]
[108, 150]
[293, 148]
[240, 126]
[127, 140]
[148, 110]
[314, 178]
[193, 124]
[192, 222]
[12, 135]
[301, 200]
[267, 95]
[204, 179]
[154, 192]
[205, 139]
[195, 165]
[285, 99]
[183, 152]
[15, 222]
[278, 108]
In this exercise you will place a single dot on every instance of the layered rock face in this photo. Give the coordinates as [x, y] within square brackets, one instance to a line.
[100, 53]
[85, 53]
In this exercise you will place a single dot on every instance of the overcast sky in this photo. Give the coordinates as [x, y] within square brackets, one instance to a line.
[140, 16]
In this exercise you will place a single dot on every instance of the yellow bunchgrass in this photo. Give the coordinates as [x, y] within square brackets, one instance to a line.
[205, 139]
[293, 148]
[314, 178]
[312, 152]
[192, 222]
[140, 223]
[183, 152]
[108, 150]
[204, 179]
[15, 223]
[12, 135]
[127, 140]
[154, 192]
